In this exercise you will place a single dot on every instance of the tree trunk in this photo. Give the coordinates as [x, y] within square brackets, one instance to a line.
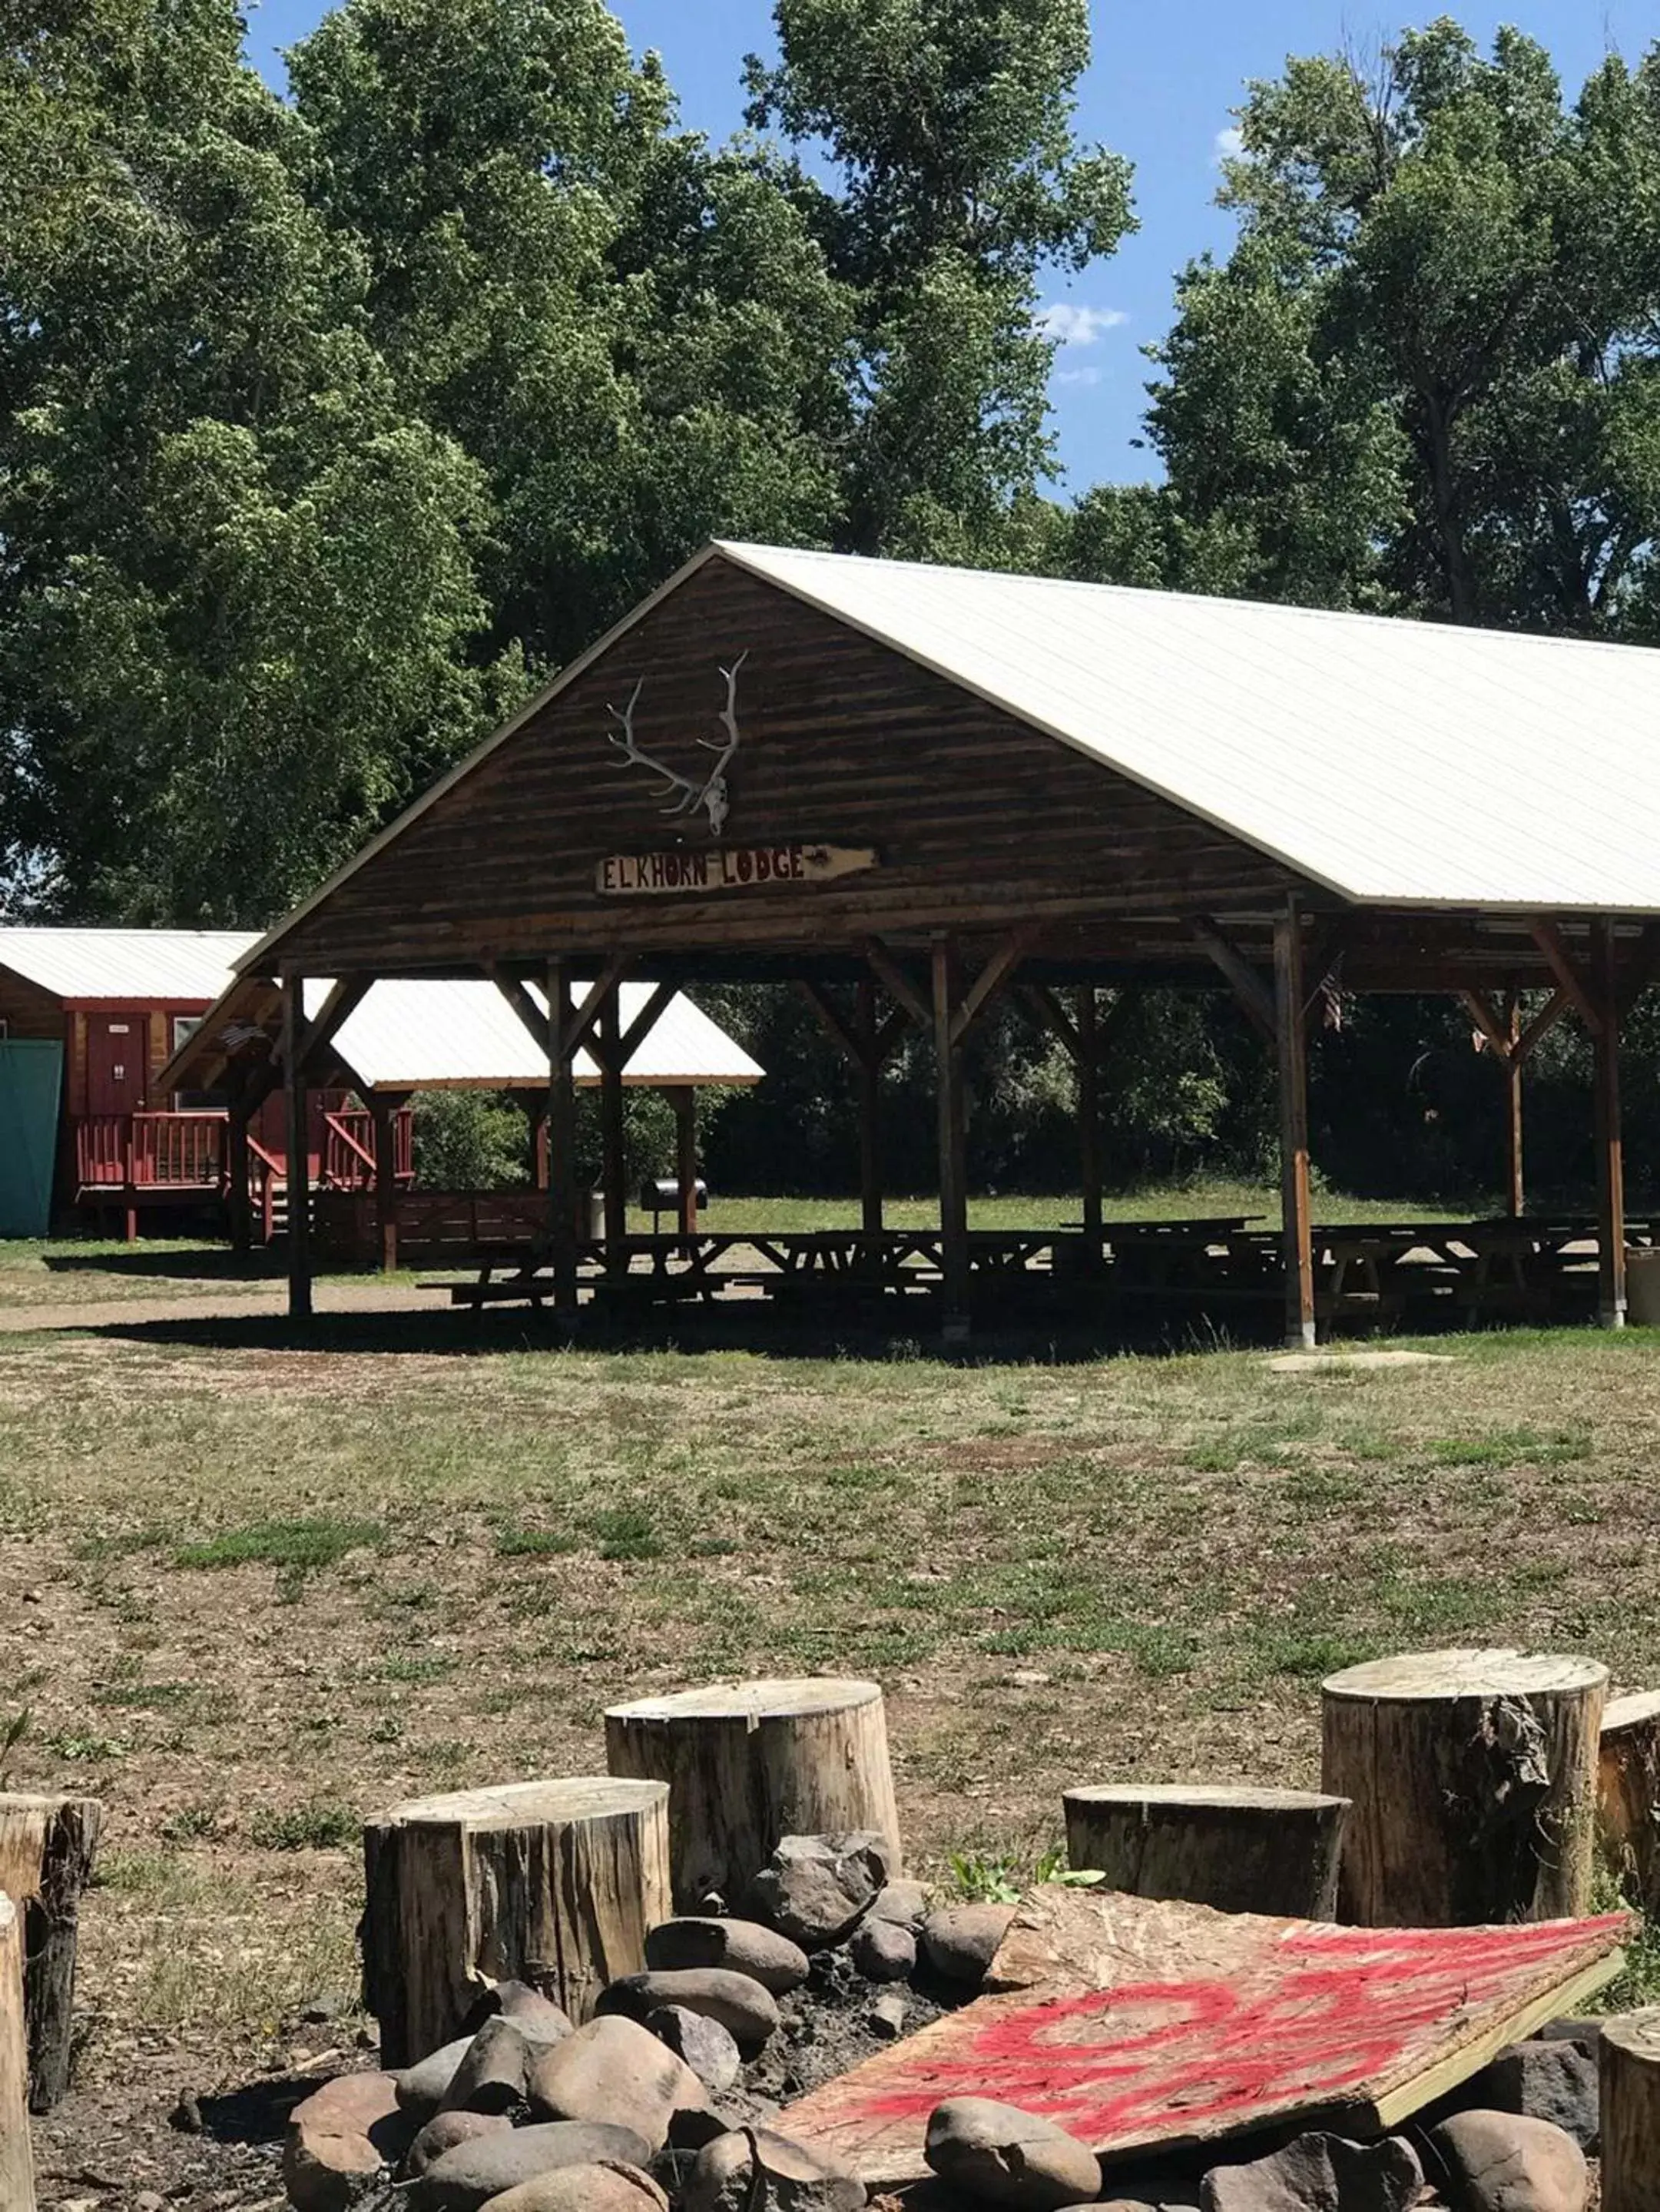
[46, 1847]
[16, 2156]
[748, 1763]
[1473, 1781]
[552, 1883]
[1237, 1849]
[1630, 2067]
[1629, 1796]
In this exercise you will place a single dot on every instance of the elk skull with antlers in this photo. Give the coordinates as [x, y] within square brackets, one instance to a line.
[713, 794]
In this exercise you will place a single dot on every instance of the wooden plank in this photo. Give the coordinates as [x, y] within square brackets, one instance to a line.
[952, 1140]
[990, 980]
[1142, 2026]
[897, 984]
[1610, 1148]
[1554, 1010]
[299, 1140]
[657, 1004]
[535, 1021]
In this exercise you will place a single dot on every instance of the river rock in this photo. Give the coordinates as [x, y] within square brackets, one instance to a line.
[903, 1902]
[1505, 2162]
[1320, 2173]
[883, 1950]
[346, 2129]
[608, 2188]
[611, 2069]
[491, 2077]
[444, 2132]
[468, 2178]
[707, 2047]
[1555, 2081]
[421, 2087]
[743, 1946]
[795, 2180]
[885, 2017]
[537, 2017]
[815, 1889]
[961, 1941]
[747, 2012]
[1001, 2155]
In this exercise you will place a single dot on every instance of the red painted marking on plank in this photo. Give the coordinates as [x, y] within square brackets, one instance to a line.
[1353, 2005]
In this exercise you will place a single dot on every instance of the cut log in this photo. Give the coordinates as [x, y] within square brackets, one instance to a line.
[16, 2156]
[1236, 1849]
[46, 1848]
[748, 1762]
[1473, 1781]
[1628, 1796]
[1630, 2087]
[551, 1883]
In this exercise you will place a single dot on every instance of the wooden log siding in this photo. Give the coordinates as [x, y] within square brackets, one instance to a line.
[978, 818]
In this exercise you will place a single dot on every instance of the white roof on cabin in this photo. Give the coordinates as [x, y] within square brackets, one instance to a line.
[126, 963]
[410, 1035]
[1400, 763]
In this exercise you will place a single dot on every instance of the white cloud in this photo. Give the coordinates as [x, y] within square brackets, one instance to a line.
[1230, 143]
[1085, 376]
[1072, 325]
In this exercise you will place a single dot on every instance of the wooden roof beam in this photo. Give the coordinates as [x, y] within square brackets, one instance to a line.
[990, 980]
[343, 1001]
[1248, 987]
[1549, 938]
[519, 998]
[897, 984]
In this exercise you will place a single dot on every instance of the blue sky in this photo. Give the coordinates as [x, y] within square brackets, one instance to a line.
[1164, 79]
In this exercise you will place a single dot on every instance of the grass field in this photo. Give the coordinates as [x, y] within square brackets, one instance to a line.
[256, 1587]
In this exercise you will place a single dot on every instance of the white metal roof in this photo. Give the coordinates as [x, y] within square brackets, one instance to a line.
[411, 1035]
[1400, 763]
[126, 963]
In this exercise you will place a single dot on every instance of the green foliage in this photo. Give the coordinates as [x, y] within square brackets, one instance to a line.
[470, 1141]
[1428, 375]
[238, 584]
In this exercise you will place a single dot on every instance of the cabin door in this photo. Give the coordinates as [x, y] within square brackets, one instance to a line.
[115, 1064]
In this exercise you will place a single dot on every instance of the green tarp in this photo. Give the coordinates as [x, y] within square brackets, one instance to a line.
[31, 1080]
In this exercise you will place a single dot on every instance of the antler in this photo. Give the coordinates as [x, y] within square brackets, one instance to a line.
[692, 793]
[715, 795]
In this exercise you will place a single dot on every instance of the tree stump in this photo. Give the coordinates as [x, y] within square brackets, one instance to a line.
[1473, 1781]
[1236, 1850]
[1630, 2087]
[748, 1762]
[552, 1883]
[16, 2156]
[1629, 1796]
[46, 1847]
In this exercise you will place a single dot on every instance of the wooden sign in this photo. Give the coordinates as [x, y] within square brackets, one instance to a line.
[1141, 2025]
[729, 868]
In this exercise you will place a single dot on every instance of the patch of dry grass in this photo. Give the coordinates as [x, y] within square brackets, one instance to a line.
[268, 1589]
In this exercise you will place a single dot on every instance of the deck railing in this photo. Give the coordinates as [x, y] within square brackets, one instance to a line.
[187, 1152]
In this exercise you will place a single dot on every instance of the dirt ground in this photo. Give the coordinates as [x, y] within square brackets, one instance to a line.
[258, 1585]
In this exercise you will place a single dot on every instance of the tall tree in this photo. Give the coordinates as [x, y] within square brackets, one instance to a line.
[962, 181]
[235, 578]
[1429, 374]
[634, 336]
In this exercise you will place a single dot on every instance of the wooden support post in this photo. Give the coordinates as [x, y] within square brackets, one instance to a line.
[299, 1175]
[1516, 1197]
[17, 2153]
[1628, 1796]
[684, 1100]
[46, 1850]
[239, 1203]
[551, 1883]
[1236, 1850]
[1610, 1153]
[1629, 2063]
[1089, 1115]
[1291, 1039]
[561, 1140]
[748, 1762]
[869, 1072]
[1474, 1778]
[614, 1167]
[953, 1141]
[383, 1112]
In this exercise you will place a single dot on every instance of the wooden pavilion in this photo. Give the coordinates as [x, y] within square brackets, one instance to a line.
[908, 790]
